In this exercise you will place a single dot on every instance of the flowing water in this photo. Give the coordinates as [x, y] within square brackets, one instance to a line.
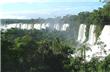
[97, 50]
[81, 33]
[92, 37]
[101, 50]
[36, 26]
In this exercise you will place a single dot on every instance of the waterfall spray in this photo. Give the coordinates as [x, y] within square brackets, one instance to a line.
[81, 33]
[92, 37]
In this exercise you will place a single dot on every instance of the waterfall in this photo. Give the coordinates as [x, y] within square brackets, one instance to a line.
[43, 26]
[98, 50]
[92, 37]
[101, 50]
[47, 25]
[105, 37]
[29, 26]
[37, 26]
[81, 33]
[17, 25]
[64, 27]
[23, 26]
[56, 27]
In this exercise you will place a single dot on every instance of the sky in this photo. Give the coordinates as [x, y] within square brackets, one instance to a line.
[27, 9]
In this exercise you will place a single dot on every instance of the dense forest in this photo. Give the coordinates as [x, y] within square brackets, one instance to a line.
[45, 51]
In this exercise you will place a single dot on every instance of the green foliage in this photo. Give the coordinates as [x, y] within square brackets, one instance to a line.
[45, 51]
[27, 53]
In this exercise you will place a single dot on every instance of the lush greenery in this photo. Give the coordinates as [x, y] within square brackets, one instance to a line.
[33, 50]
[44, 51]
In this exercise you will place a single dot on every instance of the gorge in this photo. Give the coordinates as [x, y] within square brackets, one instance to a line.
[82, 38]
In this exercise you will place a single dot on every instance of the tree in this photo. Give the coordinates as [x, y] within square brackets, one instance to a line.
[83, 50]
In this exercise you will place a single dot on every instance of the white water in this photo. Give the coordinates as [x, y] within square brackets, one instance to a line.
[97, 50]
[92, 37]
[56, 27]
[105, 37]
[43, 26]
[81, 33]
[36, 26]
[64, 27]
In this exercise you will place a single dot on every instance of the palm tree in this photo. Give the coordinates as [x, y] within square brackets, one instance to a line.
[83, 50]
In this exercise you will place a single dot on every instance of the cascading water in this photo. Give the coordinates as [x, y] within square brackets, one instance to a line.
[17, 25]
[81, 34]
[64, 27]
[47, 25]
[103, 49]
[43, 26]
[92, 37]
[23, 26]
[105, 37]
[36, 26]
[56, 27]
[29, 26]
[97, 50]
